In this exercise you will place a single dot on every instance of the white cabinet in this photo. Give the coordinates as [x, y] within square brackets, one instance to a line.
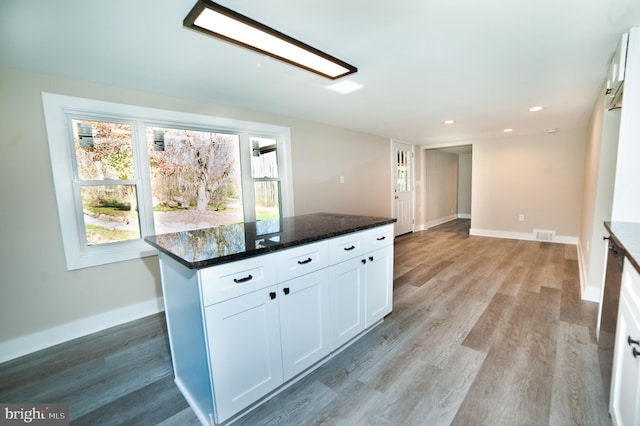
[347, 300]
[242, 329]
[304, 321]
[243, 336]
[378, 292]
[361, 288]
[625, 382]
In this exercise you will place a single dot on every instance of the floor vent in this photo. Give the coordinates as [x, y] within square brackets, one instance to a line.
[541, 235]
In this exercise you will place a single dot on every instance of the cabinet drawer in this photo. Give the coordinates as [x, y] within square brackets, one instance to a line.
[234, 279]
[347, 247]
[301, 260]
[379, 237]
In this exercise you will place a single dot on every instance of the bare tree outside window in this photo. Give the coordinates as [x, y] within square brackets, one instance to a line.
[195, 178]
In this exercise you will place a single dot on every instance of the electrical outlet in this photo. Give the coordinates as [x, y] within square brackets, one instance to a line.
[521, 218]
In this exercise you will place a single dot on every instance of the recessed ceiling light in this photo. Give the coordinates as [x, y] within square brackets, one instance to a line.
[508, 130]
[536, 109]
[449, 121]
[345, 87]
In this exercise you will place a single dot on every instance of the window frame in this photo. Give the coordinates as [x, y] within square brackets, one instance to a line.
[58, 112]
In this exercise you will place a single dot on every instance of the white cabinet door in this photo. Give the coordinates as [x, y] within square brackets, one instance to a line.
[379, 285]
[346, 291]
[244, 349]
[625, 387]
[625, 383]
[304, 321]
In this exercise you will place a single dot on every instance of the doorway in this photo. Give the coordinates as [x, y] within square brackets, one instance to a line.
[447, 184]
[403, 187]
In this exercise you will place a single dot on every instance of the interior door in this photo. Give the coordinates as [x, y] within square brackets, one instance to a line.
[403, 187]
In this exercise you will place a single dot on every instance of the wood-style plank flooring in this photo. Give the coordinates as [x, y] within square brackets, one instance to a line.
[483, 332]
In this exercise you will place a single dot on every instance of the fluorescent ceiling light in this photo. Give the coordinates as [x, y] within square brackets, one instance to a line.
[508, 130]
[449, 121]
[536, 109]
[216, 20]
[345, 87]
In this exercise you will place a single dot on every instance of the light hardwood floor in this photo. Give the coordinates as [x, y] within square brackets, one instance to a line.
[483, 332]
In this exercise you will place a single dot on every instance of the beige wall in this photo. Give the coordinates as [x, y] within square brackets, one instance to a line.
[540, 176]
[441, 186]
[322, 154]
[464, 184]
[37, 292]
[600, 165]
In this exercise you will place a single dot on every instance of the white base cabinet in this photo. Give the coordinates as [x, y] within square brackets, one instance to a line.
[625, 381]
[243, 336]
[240, 330]
[379, 294]
[304, 319]
[347, 301]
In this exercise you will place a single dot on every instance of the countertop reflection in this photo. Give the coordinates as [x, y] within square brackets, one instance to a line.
[211, 246]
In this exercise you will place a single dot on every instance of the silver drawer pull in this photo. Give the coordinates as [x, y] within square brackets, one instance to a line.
[349, 248]
[381, 238]
[304, 262]
[243, 280]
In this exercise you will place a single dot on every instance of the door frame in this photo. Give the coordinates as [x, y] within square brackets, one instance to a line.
[412, 180]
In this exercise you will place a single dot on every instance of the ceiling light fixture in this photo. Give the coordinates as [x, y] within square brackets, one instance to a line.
[508, 130]
[219, 21]
[536, 109]
[449, 121]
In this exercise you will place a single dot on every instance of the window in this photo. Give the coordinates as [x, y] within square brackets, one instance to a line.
[264, 173]
[122, 172]
[105, 181]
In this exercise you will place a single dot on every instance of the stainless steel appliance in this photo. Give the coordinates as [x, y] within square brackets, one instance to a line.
[609, 311]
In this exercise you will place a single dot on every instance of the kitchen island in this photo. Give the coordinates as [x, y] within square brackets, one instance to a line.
[252, 307]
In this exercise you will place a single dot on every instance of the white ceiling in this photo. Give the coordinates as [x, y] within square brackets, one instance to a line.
[481, 63]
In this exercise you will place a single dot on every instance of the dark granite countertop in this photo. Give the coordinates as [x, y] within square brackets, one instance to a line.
[627, 235]
[211, 246]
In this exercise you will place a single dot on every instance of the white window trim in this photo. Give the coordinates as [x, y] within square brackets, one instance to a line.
[56, 109]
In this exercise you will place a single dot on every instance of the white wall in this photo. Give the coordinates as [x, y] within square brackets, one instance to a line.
[539, 176]
[41, 302]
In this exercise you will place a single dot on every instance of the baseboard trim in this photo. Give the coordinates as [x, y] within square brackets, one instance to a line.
[560, 239]
[588, 293]
[25, 345]
[464, 215]
[440, 221]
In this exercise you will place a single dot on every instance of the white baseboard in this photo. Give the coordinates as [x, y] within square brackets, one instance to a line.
[589, 293]
[436, 222]
[20, 346]
[520, 236]
[440, 221]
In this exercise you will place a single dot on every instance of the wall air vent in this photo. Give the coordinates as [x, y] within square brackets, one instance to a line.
[542, 235]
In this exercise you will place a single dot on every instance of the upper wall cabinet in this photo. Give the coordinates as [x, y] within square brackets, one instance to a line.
[615, 79]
